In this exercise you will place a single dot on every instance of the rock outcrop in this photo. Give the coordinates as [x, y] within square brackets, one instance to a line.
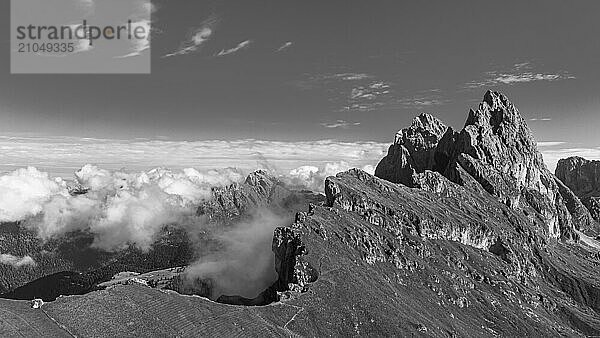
[259, 190]
[580, 175]
[585, 212]
[294, 273]
[583, 178]
[233, 200]
[425, 145]
[497, 150]
[593, 205]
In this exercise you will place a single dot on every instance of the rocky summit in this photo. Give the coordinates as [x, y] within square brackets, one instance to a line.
[458, 234]
[496, 149]
[583, 178]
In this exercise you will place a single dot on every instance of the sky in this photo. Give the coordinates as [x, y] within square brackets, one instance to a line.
[249, 78]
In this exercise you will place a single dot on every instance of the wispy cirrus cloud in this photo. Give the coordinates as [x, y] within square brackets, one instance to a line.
[142, 19]
[340, 124]
[540, 119]
[350, 91]
[371, 91]
[421, 102]
[139, 46]
[519, 73]
[424, 98]
[363, 92]
[379, 95]
[197, 37]
[330, 81]
[240, 46]
[284, 46]
[368, 97]
[349, 76]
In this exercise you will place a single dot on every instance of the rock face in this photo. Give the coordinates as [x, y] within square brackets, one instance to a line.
[295, 273]
[583, 178]
[593, 205]
[581, 175]
[585, 212]
[259, 190]
[233, 200]
[495, 148]
[425, 145]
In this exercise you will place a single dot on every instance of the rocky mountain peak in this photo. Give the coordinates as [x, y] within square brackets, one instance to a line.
[424, 131]
[255, 177]
[497, 132]
[500, 106]
[422, 146]
[496, 149]
[262, 181]
[231, 201]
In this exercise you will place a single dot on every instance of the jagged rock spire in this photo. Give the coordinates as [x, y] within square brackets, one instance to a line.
[417, 148]
[498, 150]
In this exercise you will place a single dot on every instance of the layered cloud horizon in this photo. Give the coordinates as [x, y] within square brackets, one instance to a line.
[62, 156]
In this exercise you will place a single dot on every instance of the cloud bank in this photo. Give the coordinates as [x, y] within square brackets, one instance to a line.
[312, 177]
[61, 156]
[244, 265]
[119, 209]
[24, 192]
[16, 262]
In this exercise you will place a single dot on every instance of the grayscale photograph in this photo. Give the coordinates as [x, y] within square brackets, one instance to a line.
[300, 168]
